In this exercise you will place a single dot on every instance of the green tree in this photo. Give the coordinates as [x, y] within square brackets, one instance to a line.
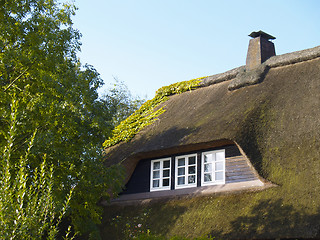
[120, 102]
[58, 97]
[27, 207]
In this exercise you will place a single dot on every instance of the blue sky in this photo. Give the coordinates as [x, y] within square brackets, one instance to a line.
[149, 44]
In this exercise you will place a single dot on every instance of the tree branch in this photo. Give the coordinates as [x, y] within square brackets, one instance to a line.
[16, 79]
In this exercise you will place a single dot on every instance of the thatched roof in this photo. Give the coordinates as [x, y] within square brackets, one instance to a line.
[273, 114]
[218, 111]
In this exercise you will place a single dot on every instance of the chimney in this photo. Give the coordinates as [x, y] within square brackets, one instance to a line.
[259, 50]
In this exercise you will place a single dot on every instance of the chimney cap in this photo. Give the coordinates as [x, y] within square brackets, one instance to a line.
[261, 34]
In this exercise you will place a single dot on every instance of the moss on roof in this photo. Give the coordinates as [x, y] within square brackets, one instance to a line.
[148, 112]
[276, 123]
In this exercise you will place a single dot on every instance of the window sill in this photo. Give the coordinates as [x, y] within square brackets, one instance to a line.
[190, 192]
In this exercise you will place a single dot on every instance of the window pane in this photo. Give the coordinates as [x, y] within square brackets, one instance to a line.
[155, 183]
[219, 166]
[208, 158]
[207, 177]
[180, 180]
[192, 170]
[156, 174]
[181, 171]
[156, 165]
[192, 179]
[192, 160]
[165, 182]
[181, 162]
[166, 173]
[219, 175]
[160, 174]
[166, 164]
[220, 156]
[208, 167]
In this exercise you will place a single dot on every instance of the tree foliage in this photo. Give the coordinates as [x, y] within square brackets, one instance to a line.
[27, 207]
[58, 97]
[121, 102]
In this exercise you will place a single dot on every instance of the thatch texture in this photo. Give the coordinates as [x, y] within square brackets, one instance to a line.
[276, 122]
[212, 115]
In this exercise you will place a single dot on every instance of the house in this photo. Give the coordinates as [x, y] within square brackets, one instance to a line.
[232, 155]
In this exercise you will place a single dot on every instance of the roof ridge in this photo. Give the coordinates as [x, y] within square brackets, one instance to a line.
[294, 57]
[242, 78]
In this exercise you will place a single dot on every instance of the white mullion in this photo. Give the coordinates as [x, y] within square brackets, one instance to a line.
[213, 167]
[214, 158]
[185, 164]
[161, 170]
[185, 171]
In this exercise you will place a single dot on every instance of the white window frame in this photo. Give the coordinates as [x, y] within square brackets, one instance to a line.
[160, 178]
[213, 170]
[186, 172]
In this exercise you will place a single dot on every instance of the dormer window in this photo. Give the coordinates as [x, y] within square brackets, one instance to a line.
[188, 171]
[201, 171]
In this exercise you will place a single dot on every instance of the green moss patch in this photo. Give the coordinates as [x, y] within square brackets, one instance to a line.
[255, 215]
[148, 112]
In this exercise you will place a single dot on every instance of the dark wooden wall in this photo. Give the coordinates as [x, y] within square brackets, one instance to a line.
[237, 170]
[140, 179]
